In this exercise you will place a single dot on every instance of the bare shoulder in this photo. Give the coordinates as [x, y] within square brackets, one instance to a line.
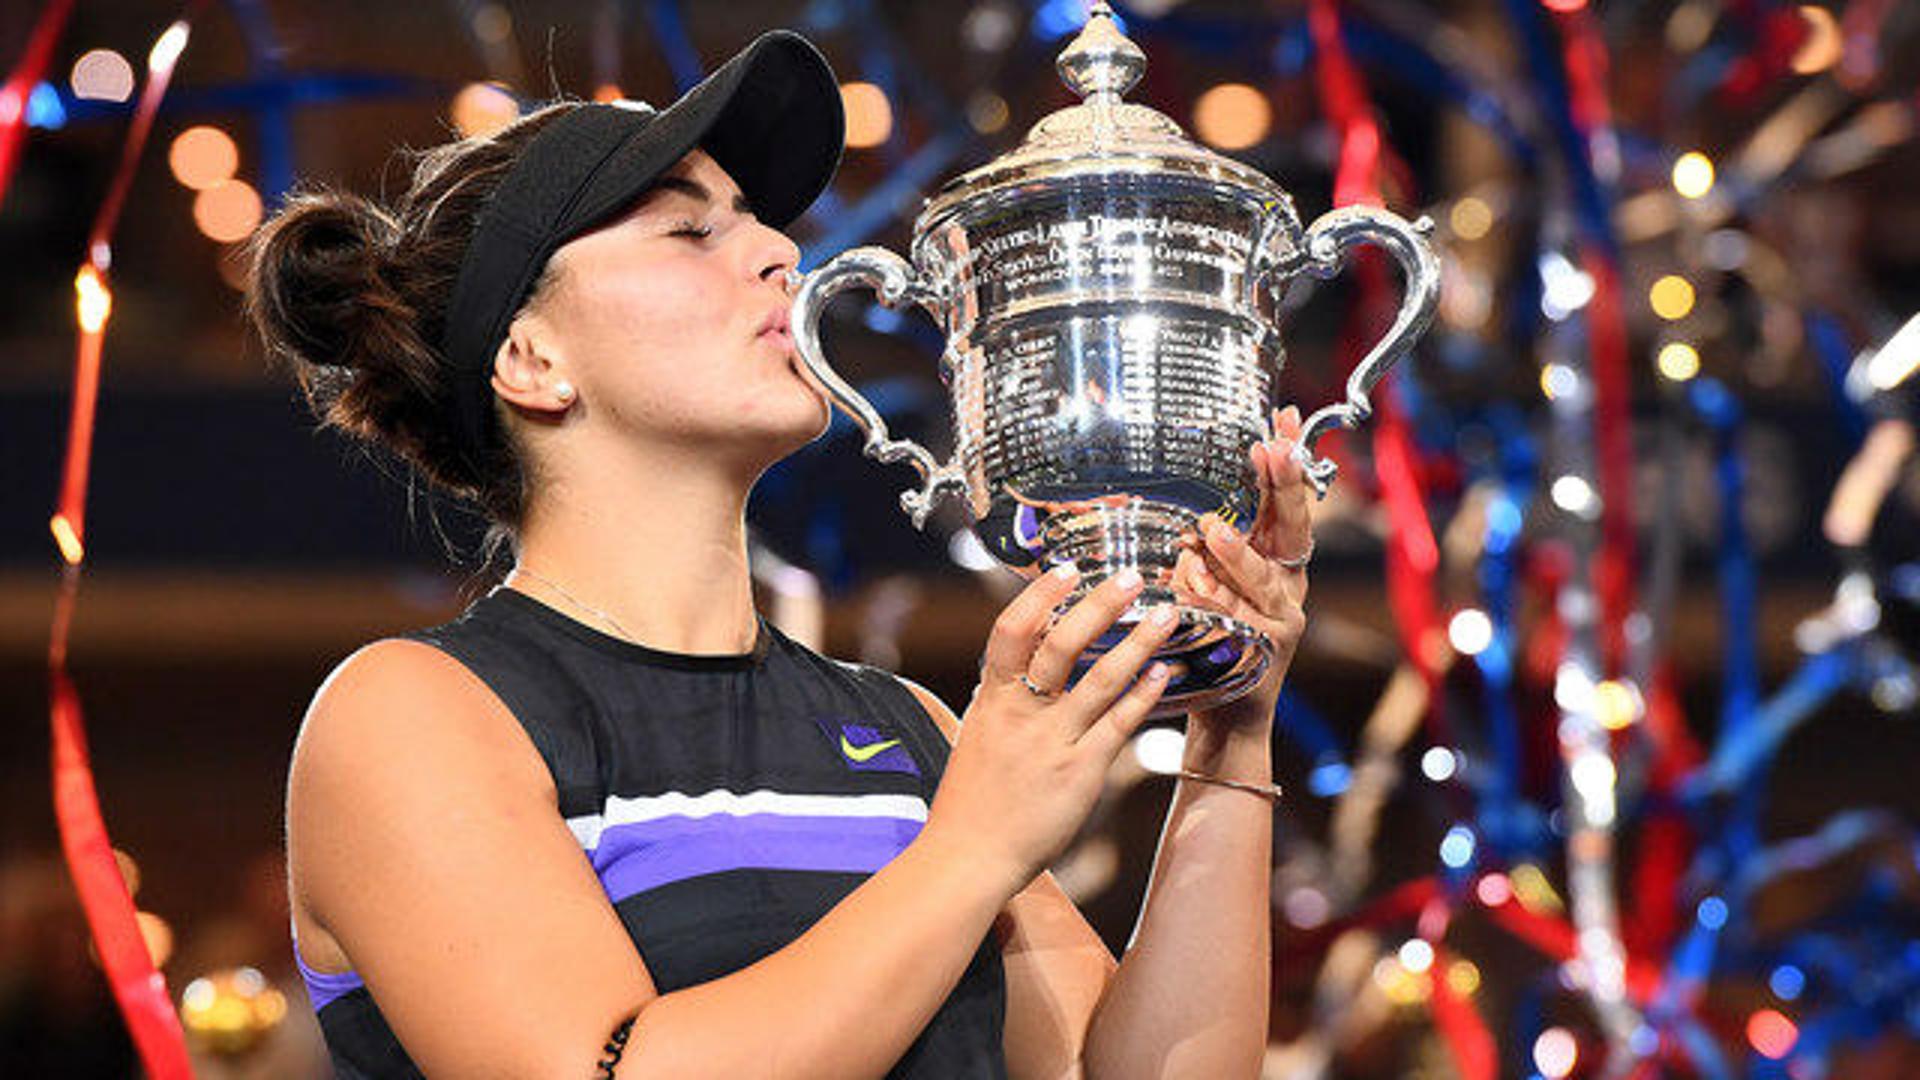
[943, 717]
[397, 723]
[427, 852]
[402, 696]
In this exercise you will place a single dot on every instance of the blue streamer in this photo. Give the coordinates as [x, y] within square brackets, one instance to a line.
[671, 31]
[1835, 353]
[1590, 199]
[1734, 760]
[273, 127]
[881, 205]
[1504, 817]
[1740, 685]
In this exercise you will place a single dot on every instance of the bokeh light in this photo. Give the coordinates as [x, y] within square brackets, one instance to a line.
[607, 93]
[1397, 984]
[1712, 913]
[1438, 764]
[228, 211]
[1787, 982]
[869, 114]
[492, 23]
[1493, 890]
[1558, 381]
[1771, 1034]
[157, 935]
[202, 157]
[1678, 361]
[1463, 977]
[1555, 1053]
[1617, 704]
[1416, 955]
[987, 112]
[1471, 218]
[482, 109]
[1823, 45]
[1471, 631]
[1671, 297]
[1574, 495]
[92, 300]
[1232, 116]
[101, 75]
[1160, 750]
[1693, 174]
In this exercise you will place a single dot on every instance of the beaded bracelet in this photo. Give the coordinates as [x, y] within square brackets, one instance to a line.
[616, 1045]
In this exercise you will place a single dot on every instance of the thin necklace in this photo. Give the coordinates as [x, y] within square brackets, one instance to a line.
[577, 602]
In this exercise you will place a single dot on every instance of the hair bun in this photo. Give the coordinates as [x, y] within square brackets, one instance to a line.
[318, 294]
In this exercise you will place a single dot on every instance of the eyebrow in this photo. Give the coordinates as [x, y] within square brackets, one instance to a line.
[694, 189]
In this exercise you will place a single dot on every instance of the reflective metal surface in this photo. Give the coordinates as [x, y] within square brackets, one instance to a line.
[1108, 293]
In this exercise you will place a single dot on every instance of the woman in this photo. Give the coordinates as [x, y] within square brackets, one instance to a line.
[579, 323]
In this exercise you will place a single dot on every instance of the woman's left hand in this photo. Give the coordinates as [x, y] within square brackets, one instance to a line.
[1248, 576]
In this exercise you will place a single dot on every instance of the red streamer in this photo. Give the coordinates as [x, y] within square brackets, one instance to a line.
[138, 987]
[19, 86]
[1413, 554]
[1475, 1056]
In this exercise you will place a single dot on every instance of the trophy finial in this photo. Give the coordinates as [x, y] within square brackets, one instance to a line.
[1101, 59]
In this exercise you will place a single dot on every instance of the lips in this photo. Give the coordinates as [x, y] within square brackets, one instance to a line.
[777, 327]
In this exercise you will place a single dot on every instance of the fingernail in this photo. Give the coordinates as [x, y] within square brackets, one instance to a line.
[1128, 579]
[1066, 571]
[1157, 671]
[1162, 615]
[1226, 534]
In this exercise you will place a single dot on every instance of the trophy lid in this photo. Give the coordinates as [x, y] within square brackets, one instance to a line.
[1102, 135]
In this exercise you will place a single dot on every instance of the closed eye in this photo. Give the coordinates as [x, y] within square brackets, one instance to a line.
[692, 230]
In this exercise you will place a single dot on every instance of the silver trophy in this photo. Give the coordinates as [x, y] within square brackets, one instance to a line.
[1109, 292]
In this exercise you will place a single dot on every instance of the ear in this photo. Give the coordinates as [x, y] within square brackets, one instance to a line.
[529, 372]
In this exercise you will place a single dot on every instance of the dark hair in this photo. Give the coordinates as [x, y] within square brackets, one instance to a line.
[352, 297]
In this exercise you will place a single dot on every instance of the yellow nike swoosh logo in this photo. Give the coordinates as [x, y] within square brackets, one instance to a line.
[868, 752]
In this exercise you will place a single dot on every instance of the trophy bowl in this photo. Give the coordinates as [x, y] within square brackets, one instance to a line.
[1109, 294]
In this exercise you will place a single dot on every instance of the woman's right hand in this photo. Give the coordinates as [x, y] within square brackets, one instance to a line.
[1028, 766]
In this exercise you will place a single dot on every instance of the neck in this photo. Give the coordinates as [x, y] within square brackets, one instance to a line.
[665, 557]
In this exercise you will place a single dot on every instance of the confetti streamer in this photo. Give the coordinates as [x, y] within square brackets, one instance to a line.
[138, 988]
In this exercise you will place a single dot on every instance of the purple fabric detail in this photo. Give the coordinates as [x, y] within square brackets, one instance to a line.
[643, 855]
[844, 734]
[324, 986]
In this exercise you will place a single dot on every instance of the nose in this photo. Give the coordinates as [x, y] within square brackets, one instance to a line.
[777, 259]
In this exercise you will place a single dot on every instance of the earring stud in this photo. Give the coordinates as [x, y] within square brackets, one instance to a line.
[563, 390]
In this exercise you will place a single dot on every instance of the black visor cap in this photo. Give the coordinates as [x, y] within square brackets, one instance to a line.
[770, 116]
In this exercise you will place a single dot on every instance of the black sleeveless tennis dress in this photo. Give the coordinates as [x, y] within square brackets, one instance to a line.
[725, 803]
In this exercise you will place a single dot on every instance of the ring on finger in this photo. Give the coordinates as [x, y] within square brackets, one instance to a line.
[1036, 689]
[1300, 561]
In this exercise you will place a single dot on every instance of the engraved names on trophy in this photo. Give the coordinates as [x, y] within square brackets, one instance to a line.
[1138, 249]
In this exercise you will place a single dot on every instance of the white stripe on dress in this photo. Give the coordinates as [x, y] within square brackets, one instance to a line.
[626, 811]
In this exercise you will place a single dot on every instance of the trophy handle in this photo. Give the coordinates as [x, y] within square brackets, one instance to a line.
[1325, 243]
[894, 281]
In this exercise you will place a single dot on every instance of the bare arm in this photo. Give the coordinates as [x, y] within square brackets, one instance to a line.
[426, 839]
[1192, 993]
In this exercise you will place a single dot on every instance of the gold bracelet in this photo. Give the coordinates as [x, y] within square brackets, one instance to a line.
[1269, 792]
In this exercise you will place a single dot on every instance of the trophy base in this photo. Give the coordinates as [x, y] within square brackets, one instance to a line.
[1214, 657]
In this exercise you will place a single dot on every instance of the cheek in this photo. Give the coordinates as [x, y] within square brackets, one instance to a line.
[654, 340]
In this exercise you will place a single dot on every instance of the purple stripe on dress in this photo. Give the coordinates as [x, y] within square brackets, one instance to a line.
[642, 855]
[324, 986]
